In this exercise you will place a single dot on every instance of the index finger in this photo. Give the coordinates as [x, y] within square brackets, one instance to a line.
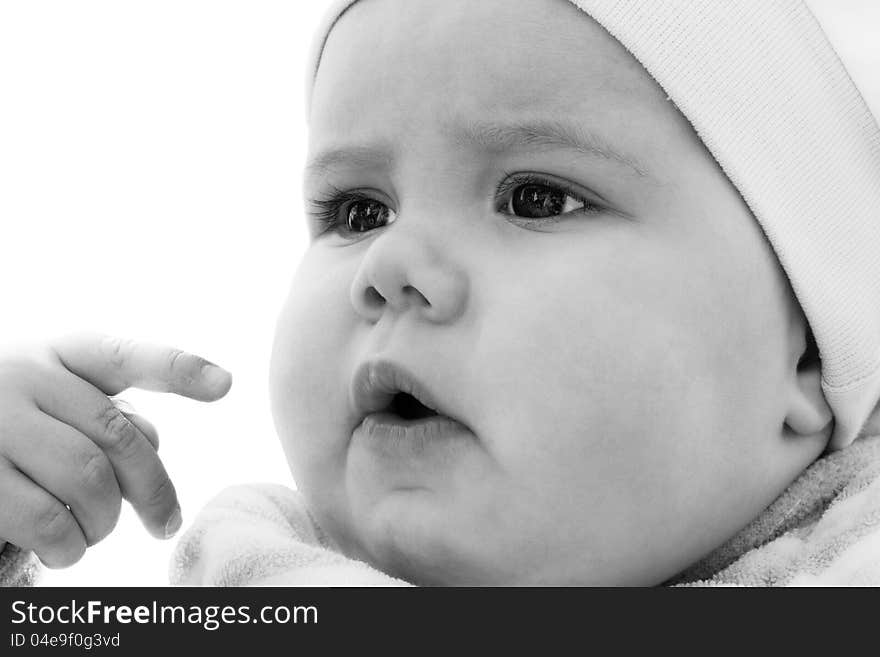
[113, 364]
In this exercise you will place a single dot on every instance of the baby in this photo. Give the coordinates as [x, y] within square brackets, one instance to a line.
[555, 324]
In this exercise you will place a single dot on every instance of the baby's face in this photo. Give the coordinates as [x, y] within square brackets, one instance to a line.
[511, 222]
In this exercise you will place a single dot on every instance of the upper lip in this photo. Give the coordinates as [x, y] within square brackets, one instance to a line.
[376, 382]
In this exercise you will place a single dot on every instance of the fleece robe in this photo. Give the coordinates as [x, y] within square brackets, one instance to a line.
[824, 530]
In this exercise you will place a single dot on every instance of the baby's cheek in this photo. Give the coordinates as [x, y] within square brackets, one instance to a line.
[309, 365]
[611, 373]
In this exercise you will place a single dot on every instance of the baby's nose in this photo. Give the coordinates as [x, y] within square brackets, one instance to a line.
[401, 274]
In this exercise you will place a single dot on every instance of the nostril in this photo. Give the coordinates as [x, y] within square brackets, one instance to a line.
[373, 298]
[411, 292]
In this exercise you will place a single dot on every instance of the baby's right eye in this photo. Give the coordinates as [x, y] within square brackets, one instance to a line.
[368, 214]
[352, 213]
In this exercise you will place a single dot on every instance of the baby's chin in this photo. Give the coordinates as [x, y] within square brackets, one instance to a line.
[423, 543]
[409, 536]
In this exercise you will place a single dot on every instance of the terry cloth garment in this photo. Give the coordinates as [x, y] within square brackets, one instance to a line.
[18, 567]
[262, 535]
[823, 530]
[766, 92]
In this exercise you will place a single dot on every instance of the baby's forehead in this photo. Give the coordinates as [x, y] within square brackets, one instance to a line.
[546, 71]
[438, 40]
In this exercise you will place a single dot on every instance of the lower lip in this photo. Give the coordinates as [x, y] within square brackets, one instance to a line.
[392, 436]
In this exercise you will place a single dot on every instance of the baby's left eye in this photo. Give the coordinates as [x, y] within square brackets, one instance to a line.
[540, 199]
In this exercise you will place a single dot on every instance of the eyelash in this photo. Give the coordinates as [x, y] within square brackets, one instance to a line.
[510, 181]
[326, 210]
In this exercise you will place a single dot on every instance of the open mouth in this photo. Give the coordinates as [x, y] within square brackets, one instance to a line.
[400, 419]
[409, 407]
[385, 388]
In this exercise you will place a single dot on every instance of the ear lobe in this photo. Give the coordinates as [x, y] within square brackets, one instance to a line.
[808, 412]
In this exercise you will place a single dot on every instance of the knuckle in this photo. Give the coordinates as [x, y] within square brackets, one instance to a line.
[53, 524]
[181, 367]
[161, 493]
[116, 350]
[120, 433]
[175, 359]
[95, 472]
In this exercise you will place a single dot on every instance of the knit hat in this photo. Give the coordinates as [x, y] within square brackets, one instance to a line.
[766, 92]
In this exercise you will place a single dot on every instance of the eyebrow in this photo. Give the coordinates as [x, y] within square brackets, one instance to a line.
[544, 133]
[353, 156]
[493, 137]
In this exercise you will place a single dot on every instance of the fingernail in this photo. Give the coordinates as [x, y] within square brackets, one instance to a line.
[174, 523]
[215, 376]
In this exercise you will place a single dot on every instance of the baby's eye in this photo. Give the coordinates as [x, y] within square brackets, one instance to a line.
[367, 214]
[531, 197]
[539, 201]
[350, 212]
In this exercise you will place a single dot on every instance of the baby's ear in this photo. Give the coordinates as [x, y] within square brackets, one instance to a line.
[808, 412]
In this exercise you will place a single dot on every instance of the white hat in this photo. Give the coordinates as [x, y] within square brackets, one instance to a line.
[766, 92]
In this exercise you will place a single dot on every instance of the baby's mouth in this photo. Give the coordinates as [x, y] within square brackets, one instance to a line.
[409, 407]
[382, 387]
[399, 420]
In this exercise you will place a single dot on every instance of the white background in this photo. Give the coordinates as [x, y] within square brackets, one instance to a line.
[150, 161]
